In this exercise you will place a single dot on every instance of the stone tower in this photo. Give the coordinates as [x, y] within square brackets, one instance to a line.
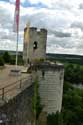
[35, 48]
[50, 75]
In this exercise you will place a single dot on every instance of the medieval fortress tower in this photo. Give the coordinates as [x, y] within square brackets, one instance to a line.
[35, 47]
[17, 87]
[50, 75]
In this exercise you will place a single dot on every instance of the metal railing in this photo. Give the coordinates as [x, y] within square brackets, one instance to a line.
[10, 87]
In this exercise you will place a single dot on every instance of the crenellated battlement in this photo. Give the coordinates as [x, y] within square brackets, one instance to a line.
[33, 29]
[39, 31]
[36, 29]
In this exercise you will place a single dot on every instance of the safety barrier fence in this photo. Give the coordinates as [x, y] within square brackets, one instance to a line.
[18, 84]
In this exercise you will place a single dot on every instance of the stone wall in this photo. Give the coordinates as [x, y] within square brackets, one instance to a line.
[51, 91]
[40, 37]
[18, 111]
[50, 86]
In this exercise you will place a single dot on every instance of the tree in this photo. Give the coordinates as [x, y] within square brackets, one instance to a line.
[6, 57]
[55, 119]
[1, 61]
[36, 101]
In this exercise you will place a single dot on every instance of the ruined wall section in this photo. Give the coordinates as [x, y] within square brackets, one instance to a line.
[40, 37]
[18, 111]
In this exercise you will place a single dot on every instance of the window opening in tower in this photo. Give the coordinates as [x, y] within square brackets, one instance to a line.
[35, 45]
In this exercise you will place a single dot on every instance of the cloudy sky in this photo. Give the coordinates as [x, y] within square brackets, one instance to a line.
[62, 18]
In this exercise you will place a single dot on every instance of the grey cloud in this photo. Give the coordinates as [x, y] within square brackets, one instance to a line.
[81, 6]
[65, 42]
[5, 18]
[55, 21]
[8, 37]
[77, 25]
[38, 21]
[60, 34]
[6, 34]
[45, 19]
[62, 6]
[9, 45]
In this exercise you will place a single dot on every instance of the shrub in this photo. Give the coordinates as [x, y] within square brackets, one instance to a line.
[1, 61]
[6, 57]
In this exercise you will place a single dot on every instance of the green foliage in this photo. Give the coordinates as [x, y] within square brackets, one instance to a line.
[37, 107]
[73, 73]
[20, 60]
[72, 108]
[1, 61]
[38, 61]
[74, 59]
[6, 57]
[55, 119]
[11, 59]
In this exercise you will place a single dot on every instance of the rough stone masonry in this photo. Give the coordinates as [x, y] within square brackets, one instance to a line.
[18, 110]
